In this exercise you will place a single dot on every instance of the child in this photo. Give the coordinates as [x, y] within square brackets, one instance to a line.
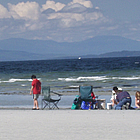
[36, 90]
[137, 99]
[94, 101]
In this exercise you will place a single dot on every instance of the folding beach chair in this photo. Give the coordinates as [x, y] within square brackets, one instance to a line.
[47, 100]
[85, 93]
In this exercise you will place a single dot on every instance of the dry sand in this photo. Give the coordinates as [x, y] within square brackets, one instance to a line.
[69, 124]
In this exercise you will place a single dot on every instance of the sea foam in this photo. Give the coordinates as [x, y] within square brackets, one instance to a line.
[97, 78]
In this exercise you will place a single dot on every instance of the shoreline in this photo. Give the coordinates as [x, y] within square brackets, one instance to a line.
[73, 93]
[25, 102]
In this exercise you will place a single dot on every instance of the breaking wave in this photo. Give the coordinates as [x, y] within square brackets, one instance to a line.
[98, 78]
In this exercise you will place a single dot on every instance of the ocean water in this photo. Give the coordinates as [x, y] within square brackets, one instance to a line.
[66, 75]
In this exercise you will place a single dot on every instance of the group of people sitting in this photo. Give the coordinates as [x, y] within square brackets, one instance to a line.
[122, 99]
[87, 105]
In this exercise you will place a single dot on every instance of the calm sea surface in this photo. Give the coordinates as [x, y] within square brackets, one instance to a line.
[67, 75]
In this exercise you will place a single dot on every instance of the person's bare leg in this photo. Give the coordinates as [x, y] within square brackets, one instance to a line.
[90, 106]
[35, 104]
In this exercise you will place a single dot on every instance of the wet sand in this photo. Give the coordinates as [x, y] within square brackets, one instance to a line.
[69, 124]
[73, 93]
[26, 101]
[96, 93]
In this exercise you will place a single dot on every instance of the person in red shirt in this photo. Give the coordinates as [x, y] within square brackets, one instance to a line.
[36, 90]
[94, 101]
[93, 95]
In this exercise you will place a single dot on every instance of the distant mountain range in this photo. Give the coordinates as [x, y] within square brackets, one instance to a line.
[97, 47]
[22, 56]
[19, 56]
[115, 54]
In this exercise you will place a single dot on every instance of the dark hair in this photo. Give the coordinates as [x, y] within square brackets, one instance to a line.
[33, 77]
[115, 88]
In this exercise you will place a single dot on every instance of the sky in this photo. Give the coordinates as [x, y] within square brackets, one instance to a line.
[69, 20]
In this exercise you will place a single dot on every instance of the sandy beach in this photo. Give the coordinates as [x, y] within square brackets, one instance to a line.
[24, 124]
[69, 124]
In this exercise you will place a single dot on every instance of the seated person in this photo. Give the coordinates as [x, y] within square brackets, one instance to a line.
[113, 98]
[137, 99]
[94, 101]
[123, 98]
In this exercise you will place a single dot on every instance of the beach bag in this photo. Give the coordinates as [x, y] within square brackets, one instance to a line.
[85, 105]
[76, 103]
[74, 106]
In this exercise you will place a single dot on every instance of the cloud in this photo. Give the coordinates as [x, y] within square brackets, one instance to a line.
[26, 11]
[74, 8]
[52, 5]
[4, 12]
[29, 20]
[86, 3]
[48, 11]
[73, 21]
[75, 15]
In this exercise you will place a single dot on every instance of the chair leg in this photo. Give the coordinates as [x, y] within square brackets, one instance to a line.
[44, 105]
[49, 105]
[55, 105]
[41, 104]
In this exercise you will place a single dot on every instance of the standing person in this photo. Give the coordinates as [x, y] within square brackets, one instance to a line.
[36, 90]
[137, 99]
[123, 99]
